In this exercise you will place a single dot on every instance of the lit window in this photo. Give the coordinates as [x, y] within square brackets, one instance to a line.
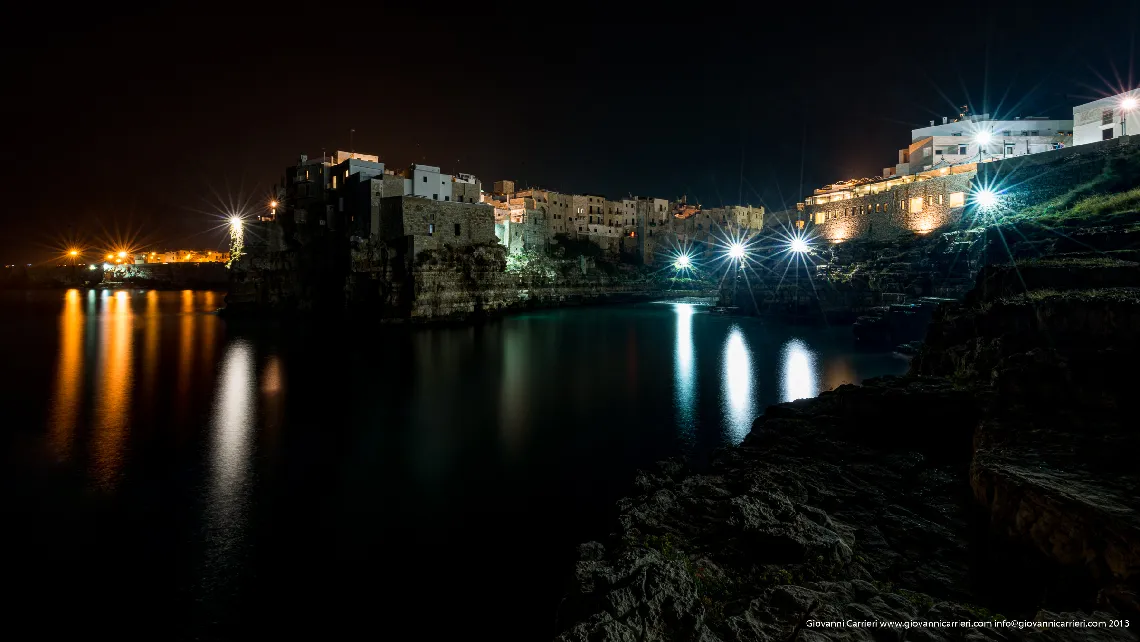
[939, 199]
[876, 207]
[916, 205]
[431, 229]
[957, 199]
[334, 182]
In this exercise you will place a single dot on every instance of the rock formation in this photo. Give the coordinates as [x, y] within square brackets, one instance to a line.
[997, 481]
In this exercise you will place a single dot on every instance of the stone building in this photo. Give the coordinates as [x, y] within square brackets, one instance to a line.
[430, 224]
[888, 208]
[585, 210]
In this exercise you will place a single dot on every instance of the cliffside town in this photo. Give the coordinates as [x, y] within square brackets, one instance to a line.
[348, 231]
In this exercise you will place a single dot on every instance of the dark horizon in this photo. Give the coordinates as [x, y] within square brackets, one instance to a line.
[145, 125]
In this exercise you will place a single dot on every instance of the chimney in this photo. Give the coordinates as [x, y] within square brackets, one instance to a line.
[932, 123]
[943, 120]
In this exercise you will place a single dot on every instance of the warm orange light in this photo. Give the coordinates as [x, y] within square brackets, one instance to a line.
[122, 255]
[118, 261]
[74, 253]
[188, 256]
[273, 204]
[110, 256]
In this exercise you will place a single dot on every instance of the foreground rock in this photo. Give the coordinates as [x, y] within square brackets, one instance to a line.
[997, 481]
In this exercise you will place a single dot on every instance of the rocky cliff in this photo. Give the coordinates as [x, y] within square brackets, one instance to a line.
[996, 481]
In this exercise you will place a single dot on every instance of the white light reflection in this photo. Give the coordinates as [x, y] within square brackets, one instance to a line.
[799, 372]
[684, 390]
[231, 443]
[737, 389]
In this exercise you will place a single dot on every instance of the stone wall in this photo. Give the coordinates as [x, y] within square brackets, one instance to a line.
[433, 224]
[1035, 179]
[466, 192]
[918, 207]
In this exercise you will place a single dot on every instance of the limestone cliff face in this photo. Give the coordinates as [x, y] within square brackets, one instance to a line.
[390, 281]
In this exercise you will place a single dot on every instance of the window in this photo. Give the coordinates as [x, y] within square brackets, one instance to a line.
[334, 182]
[876, 207]
[446, 198]
[939, 199]
[435, 197]
[431, 229]
[1035, 133]
[961, 150]
[1106, 118]
[957, 199]
[457, 229]
[1106, 134]
[886, 207]
[1009, 149]
[916, 205]
[425, 179]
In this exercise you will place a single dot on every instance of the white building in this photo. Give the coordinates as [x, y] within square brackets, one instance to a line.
[1107, 118]
[426, 181]
[979, 138]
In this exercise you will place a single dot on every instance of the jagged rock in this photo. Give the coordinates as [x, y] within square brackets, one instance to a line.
[1000, 471]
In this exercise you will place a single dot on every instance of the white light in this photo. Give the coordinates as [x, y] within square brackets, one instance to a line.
[985, 198]
[737, 387]
[983, 138]
[93, 267]
[235, 221]
[683, 262]
[107, 266]
[799, 372]
[736, 251]
[799, 245]
[1128, 104]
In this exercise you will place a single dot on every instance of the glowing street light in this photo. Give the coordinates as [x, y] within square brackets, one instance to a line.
[982, 138]
[683, 262]
[110, 256]
[736, 251]
[1126, 105]
[985, 198]
[235, 222]
[273, 205]
[122, 255]
[798, 245]
[73, 253]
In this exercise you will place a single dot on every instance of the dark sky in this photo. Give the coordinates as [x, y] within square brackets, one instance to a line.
[140, 127]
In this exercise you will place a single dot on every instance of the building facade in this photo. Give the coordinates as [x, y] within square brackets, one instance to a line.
[1107, 118]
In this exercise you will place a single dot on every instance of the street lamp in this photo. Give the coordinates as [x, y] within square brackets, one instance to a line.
[798, 245]
[736, 251]
[1126, 105]
[982, 138]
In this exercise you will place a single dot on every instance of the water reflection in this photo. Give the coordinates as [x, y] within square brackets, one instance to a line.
[683, 384]
[737, 389]
[185, 348]
[513, 399]
[150, 344]
[799, 380]
[231, 442]
[69, 376]
[114, 379]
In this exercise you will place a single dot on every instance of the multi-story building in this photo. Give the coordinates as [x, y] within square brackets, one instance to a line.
[306, 190]
[1107, 118]
[971, 139]
[428, 224]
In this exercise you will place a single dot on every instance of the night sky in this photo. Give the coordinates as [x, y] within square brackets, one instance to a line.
[142, 127]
